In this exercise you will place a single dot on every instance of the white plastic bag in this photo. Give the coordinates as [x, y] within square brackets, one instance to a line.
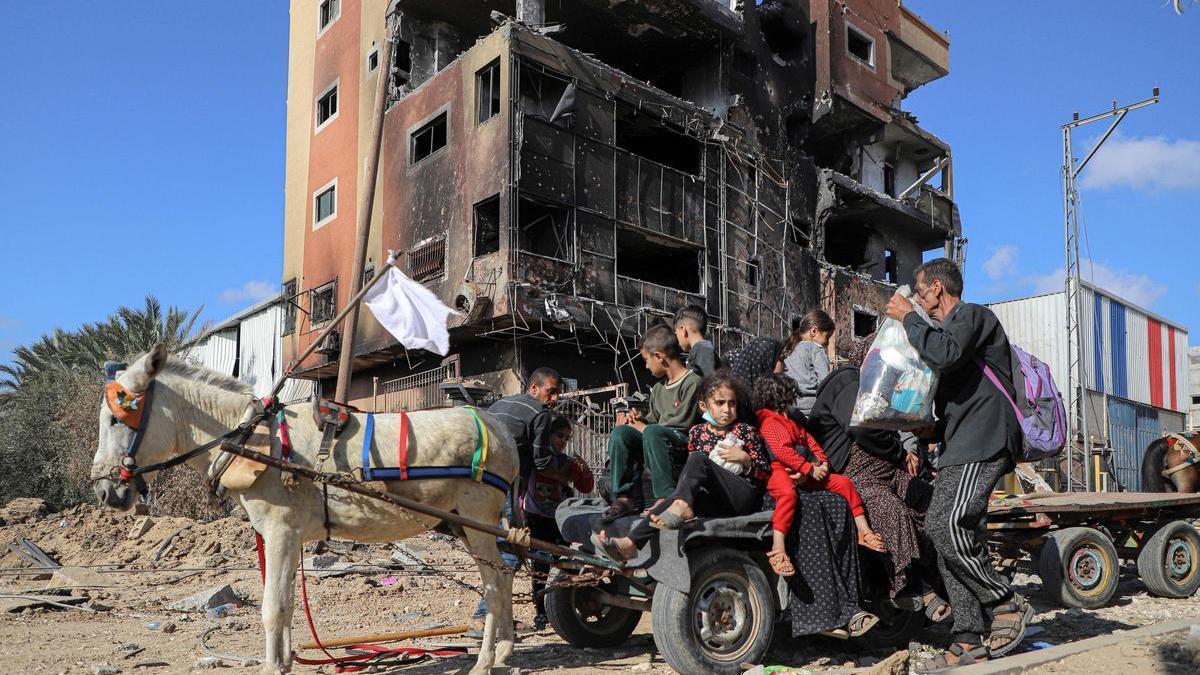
[730, 441]
[895, 387]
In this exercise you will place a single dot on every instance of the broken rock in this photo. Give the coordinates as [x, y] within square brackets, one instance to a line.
[207, 599]
[105, 669]
[22, 509]
[896, 664]
[141, 527]
[78, 577]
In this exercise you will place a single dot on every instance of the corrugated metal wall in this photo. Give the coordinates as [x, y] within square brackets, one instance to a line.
[1131, 428]
[218, 351]
[257, 353]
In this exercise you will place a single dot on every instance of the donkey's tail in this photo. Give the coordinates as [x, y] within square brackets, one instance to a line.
[1153, 463]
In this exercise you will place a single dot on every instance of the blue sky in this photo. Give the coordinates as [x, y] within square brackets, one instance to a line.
[144, 152]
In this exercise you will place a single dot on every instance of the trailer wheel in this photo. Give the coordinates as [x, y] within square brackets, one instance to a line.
[1169, 563]
[728, 618]
[895, 629]
[580, 617]
[1079, 567]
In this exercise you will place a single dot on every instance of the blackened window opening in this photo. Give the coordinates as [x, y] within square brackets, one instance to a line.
[891, 268]
[545, 230]
[323, 304]
[865, 323]
[800, 232]
[846, 244]
[487, 92]
[889, 180]
[289, 307]
[401, 63]
[752, 273]
[373, 60]
[658, 261]
[487, 226]
[646, 137]
[785, 41]
[860, 46]
[429, 139]
[368, 275]
[543, 93]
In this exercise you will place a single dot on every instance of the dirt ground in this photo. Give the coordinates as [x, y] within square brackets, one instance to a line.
[136, 631]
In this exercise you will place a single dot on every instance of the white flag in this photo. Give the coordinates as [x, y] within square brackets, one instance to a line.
[410, 312]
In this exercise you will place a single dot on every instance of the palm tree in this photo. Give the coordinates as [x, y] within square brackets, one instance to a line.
[126, 332]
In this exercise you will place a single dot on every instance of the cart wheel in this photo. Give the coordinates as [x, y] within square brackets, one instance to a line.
[1169, 563]
[895, 629]
[727, 619]
[583, 620]
[1079, 567]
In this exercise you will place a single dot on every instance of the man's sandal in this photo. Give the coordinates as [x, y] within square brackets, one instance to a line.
[780, 563]
[1009, 621]
[669, 520]
[621, 506]
[957, 655]
[937, 610]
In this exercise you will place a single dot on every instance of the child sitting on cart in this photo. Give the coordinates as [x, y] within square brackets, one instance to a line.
[725, 473]
[547, 488]
[795, 451]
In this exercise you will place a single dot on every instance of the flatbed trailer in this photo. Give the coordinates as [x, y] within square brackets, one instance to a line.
[1078, 541]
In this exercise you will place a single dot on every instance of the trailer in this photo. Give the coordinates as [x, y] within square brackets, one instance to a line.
[1077, 542]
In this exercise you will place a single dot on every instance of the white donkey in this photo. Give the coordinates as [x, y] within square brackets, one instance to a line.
[191, 406]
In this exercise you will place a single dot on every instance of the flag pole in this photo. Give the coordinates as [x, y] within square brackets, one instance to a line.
[352, 304]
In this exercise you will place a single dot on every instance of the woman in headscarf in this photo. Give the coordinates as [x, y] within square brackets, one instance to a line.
[759, 356]
[884, 473]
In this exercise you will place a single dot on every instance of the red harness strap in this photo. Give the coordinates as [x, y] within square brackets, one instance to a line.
[403, 445]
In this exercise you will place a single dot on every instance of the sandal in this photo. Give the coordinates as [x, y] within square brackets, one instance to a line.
[957, 655]
[872, 540]
[780, 563]
[621, 506]
[1010, 629]
[937, 610]
[669, 520]
[860, 623]
[609, 548]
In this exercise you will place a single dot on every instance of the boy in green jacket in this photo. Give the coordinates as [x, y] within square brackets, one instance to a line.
[652, 440]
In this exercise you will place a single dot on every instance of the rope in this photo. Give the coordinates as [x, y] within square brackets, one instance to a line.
[518, 536]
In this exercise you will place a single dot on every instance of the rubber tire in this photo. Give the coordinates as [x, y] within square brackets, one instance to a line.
[1052, 567]
[611, 630]
[671, 614]
[1151, 562]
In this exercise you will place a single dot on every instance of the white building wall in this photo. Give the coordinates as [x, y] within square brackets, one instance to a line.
[1193, 379]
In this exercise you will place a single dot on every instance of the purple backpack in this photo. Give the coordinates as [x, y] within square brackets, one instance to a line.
[1039, 406]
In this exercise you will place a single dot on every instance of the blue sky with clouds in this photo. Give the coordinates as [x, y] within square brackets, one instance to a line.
[144, 151]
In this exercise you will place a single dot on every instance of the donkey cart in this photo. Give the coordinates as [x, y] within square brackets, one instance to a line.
[1078, 541]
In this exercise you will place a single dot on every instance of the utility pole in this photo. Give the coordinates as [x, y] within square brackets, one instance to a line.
[1079, 474]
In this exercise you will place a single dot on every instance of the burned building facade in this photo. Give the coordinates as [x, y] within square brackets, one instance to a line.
[565, 174]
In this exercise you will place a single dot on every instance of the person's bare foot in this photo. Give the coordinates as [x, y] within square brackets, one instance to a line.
[624, 544]
[871, 539]
[679, 508]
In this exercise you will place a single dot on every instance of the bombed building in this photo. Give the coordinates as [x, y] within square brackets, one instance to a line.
[567, 173]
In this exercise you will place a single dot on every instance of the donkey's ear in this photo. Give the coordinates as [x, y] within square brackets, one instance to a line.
[146, 368]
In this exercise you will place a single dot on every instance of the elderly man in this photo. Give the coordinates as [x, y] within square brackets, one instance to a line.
[981, 434]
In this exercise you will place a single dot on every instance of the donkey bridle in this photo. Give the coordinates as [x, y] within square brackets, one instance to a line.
[129, 473]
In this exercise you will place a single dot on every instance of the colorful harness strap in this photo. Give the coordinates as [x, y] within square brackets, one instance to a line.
[403, 446]
[479, 459]
[368, 437]
[285, 438]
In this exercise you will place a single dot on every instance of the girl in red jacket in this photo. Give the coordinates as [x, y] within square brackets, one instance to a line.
[794, 451]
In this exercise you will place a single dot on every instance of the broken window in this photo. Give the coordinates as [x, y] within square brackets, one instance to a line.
[658, 260]
[547, 96]
[327, 106]
[289, 307]
[322, 304]
[328, 12]
[487, 226]
[487, 92]
[865, 322]
[860, 45]
[401, 63]
[545, 230]
[427, 140]
[427, 260]
[889, 180]
[325, 205]
[646, 137]
[745, 64]
[753, 268]
[800, 232]
[846, 244]
[891, 268]
[785, 42]
[368, 275]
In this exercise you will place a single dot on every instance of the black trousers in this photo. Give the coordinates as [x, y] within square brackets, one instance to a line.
[545, 529]
[710, 490]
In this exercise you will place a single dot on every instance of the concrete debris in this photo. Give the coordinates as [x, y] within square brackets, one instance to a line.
[105, 669]
[207, 599]
[320, 562]
[207, 662]
[15, 603]
[141, 527]
[78, 577]
[407, 555]
[896, 664]
[23, 509]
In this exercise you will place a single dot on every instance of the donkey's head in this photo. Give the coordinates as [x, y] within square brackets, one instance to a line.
[130, 434]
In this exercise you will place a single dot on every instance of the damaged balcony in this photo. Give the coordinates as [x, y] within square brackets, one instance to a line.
[920, 53]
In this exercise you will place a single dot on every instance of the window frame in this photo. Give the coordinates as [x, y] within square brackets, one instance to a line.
[337, 5]
[333, 88]
[330, 286]
[288, 320]
[319, 223]
[492, 72]
[372, 53]
[415, 129]
[869, 63]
